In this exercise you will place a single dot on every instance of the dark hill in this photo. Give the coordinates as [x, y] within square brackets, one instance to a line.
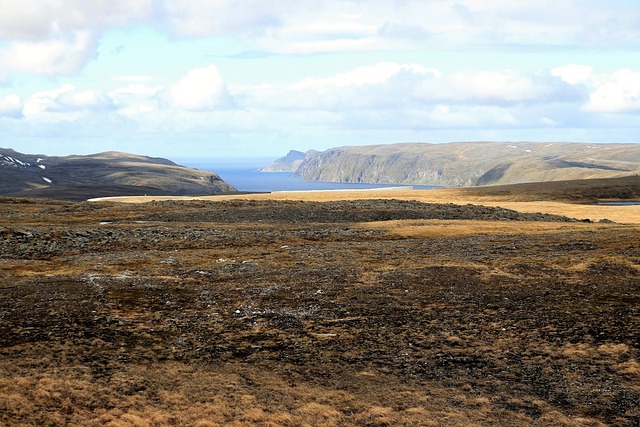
[584, 191]
[99, 175]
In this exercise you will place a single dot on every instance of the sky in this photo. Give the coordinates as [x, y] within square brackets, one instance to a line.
[218, 79]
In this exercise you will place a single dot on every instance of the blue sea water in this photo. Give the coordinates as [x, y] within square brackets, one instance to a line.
[631, 203]
[250, 179]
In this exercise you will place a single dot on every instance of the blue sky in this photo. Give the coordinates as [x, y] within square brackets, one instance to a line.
[200, 79]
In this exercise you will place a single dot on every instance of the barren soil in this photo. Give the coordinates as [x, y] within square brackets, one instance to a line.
[299, 313]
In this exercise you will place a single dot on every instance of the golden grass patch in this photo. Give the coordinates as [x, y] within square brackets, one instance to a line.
[458, 228]
[622, 214]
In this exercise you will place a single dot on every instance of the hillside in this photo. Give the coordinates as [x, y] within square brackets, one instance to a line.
[288, 163]
[103, 174]
[467, 164]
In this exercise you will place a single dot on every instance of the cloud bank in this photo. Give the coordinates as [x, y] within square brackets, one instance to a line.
[338, 67]
[60, 36]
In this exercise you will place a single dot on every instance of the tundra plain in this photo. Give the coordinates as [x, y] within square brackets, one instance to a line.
[468, 307]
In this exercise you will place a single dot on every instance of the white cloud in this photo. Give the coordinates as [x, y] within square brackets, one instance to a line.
[49, 57]
[41, 20]
[428, 118]
[394, 30]
[135, 91]
[202, 89]
[496, 88]
[11, 106]
[66, 99]
[368, 75]
[620, 93]
[574, 74]
[390, 85]
[133, 79]
[197, 18]
[57, 37]
[79, 100]
[335, 25]
[401, 66]
[385, 95]
[137, 100]
[567, 23]
[40, 101]
[24, 20]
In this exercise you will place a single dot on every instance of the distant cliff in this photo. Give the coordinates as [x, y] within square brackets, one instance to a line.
[99, 175]
[288, 163]
[471, 163]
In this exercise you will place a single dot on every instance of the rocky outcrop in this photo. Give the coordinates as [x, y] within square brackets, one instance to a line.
[31, 242]
[288, 163]
[100, 175]
[471, 163]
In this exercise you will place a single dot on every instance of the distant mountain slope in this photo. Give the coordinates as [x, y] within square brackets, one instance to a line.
[104, 174]
[467, 164]
[288, 163]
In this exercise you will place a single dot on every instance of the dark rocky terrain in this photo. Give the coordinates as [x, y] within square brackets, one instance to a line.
[585, 191]
[101, 175]
[466, 164]
[292, 313]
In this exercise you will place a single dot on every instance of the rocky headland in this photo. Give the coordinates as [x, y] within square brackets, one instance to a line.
[467, 164]
[289, 163]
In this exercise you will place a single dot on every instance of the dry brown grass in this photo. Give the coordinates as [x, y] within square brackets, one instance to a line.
[458, 228]
[393, 323]
[174, 394]
[622, 214]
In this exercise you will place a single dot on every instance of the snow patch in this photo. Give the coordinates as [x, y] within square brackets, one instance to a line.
[47, 179]
[42, 166]
[16, 161]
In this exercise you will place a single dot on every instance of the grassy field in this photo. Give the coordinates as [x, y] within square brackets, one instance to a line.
[364, 309]
[577, 199]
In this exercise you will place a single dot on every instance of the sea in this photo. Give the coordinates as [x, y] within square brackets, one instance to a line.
[248, 178]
